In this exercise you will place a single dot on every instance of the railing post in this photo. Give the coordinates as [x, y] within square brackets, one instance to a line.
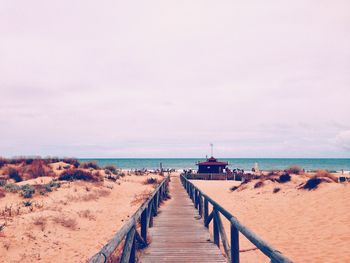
[144, 225]
[133, 252]
[150, 214]
[216, 230]
[196, 198]
[158, 199]
[129, 250]
[200, 210]
[206, 207]
[234, 244]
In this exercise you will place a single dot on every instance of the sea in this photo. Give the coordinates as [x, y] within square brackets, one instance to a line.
[266, 164]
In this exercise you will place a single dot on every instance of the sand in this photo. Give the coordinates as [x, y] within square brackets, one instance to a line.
[306, 226]
[69, 224]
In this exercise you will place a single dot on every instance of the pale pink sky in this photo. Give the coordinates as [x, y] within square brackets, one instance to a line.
[166, 78]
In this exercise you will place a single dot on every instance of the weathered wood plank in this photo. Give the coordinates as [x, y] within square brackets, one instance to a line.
[177, 234]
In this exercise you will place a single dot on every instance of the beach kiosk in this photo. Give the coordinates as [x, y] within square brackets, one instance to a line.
[211, 167]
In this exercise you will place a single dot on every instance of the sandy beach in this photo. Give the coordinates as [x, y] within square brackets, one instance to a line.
[71, 223]
[306, 226]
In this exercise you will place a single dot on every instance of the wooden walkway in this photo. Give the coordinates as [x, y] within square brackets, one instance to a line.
[178, 234]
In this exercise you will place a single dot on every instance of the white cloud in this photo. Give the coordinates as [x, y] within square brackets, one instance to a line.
[343, 139]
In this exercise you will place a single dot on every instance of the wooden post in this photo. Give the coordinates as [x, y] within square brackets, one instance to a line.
[196, 198]
[144, 225]
[150, 214]
[200, 210]
[206, 207]
[132, 258]
[216, 230]
[129, 243]
[234, 244]
[158, 199]
[223, 235]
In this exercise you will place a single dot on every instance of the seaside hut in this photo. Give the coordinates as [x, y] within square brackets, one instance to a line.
[211, 166]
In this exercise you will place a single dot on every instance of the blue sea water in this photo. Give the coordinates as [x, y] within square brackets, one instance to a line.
[331, 164]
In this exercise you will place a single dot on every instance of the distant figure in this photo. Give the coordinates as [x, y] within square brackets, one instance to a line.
[256, 167]
[342, 171]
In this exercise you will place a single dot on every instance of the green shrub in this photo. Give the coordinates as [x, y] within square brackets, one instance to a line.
[77, 174]
[284, 178]
[2, 162]
[13, 188]
[151, 180]
[312, 183]
[3, 182]
[88, 165]
[27, 191]
[14, 174]
[54, 184]
[27, 203]
[111, 168]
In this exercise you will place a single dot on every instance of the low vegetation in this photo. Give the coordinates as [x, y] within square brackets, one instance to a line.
[326, 175]
[294, 170]
[40, 221]
[312, 183]
[14, 174]
[259, 184]
[111, 168]
[89, 165]
[78, 174]
[151, 180]
[12, 188]
[27, 191]
[284, 178]
[3, 182]
[276, 190]
[65, 221]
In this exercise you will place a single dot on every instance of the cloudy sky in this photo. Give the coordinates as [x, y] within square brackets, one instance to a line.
[165, 78]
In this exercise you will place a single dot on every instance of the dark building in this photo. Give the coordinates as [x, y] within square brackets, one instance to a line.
[211, 166]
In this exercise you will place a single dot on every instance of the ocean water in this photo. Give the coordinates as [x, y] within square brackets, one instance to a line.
[331, 164]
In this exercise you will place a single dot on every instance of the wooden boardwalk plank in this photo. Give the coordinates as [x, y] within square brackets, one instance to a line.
[178, 234]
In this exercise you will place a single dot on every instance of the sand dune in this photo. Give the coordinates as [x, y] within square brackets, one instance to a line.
[69, 224]
[306, 226]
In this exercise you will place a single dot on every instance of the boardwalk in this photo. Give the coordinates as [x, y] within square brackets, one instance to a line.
[178, 235]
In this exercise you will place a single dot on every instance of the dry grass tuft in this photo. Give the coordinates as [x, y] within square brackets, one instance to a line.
[259, 184]
[70, 223]
[294, 170]
[140, 198]
[2, 193]
[40, 221]
[326, 175]
[88, 165]
[87, 214]
[151, 180]
[276, 190]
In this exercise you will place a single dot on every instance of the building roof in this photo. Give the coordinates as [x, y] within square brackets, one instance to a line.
[212, 161]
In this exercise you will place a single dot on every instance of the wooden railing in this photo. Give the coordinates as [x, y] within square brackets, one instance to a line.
[201, 202]
[129, 232]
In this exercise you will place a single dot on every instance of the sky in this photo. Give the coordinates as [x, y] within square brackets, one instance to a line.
[161, 78]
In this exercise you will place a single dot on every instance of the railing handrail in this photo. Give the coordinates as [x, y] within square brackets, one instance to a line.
[108, 249]
[263, 246]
